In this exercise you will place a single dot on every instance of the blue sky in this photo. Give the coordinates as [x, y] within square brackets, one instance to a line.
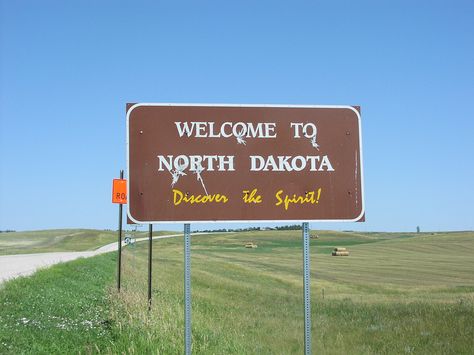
[68, 68]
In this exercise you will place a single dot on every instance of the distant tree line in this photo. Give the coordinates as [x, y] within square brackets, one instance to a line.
[249, 229]
[8, 231]
[293, 227]
[225, 230]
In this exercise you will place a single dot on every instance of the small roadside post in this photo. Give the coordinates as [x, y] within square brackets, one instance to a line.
[119, 196]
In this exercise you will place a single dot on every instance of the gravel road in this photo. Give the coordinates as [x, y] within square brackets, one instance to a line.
[12, 266]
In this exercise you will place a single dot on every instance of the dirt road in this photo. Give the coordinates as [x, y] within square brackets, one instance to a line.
[12, 266]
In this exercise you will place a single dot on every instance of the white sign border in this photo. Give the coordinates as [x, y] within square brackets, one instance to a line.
[129, 111]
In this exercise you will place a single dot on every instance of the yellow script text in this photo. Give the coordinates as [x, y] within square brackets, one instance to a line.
[179, 197]
[311, 197]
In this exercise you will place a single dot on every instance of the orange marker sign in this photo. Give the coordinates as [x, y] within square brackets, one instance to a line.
[119, 191]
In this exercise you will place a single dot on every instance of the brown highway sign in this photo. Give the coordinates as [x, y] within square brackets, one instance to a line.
[203, 163]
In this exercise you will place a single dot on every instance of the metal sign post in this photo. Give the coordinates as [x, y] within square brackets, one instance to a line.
[187, 288]
[119, 262]
[306, 290]
[150, 237]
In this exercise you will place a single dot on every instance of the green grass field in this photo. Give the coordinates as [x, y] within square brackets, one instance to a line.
[396, 293]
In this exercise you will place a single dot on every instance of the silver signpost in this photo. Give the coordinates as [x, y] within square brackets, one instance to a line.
[150, 250]
[187, 288]
[306, 290]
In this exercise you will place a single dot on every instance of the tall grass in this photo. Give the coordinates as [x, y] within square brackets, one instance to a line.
[60, 310]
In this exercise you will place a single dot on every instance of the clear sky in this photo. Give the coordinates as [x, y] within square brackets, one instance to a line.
[67, 68]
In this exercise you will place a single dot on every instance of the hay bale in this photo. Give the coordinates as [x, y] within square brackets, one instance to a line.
[340, 249]
[340, 253]
[251, 245]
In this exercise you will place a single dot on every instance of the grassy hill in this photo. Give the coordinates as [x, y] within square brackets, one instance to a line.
[396, 293]
[54, 240]
[60, 240]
